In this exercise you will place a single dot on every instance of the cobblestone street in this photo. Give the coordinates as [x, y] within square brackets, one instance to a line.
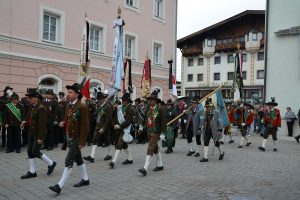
[243, 174]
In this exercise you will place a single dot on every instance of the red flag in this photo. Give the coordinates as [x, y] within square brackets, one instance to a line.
[85, 90]
[146, 79]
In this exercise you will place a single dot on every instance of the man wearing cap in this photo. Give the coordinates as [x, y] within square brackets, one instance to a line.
[171, 113]
[212, 126]
[14, 114]
[52, 108]
[122, 122]
[155, 123]
[272, 120]
[103, 115]
[7, 92]
[37, 122]
[76, 124]
[245, 126]
[192, 127]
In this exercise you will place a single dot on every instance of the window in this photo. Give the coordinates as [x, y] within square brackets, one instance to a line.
[209, 43]
[254, 36]
[50, 27]
[159, 9]
[199, 77]
[230, 76]
[216, 76]
[190, 77]
[191, 62]
[244, 57]
[219, 42]
[230, 58]
[96, 38]
[129, 46]
[242, 39]
[157, 53]
[260, 74]
[217, 60]
[260, 55]
[132, 3]
[200, 61]
[244, 75]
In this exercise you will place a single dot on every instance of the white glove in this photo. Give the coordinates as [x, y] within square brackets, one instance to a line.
[184, 121]
[243, 124]
[179, 120]
[55, 123]
[262, 121]
[162, 137]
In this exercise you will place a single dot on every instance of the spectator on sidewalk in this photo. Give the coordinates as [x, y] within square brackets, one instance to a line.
[290, 117]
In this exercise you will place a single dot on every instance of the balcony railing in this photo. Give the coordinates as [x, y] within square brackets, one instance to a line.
[194, 51]
[229, 47]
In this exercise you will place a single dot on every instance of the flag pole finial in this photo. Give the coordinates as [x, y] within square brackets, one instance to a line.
[119, 12]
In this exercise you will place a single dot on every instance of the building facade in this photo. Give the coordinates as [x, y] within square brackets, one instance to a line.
[283, 57]
[208, 56]
[40, 41]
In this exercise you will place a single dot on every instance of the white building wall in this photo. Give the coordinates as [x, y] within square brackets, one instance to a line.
[283, 58]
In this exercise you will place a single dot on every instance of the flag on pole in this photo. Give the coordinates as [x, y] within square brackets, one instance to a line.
[117, 72]
[83, 71]
[218, 101]
[127, 81]
[146, 79]
[172, 81]
[238, 77]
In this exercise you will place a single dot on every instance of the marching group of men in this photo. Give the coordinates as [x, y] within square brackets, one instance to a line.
[44, 122]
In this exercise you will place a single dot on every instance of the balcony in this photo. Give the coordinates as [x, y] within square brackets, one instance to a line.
[229, 47]
[194, 51]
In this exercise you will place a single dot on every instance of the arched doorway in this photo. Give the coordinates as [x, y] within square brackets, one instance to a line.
[95, 84]
[160, 94]
[50, 81]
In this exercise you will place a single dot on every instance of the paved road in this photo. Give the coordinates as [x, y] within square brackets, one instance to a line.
[243, 174]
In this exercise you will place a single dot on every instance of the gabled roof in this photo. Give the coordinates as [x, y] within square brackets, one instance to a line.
[181, 41]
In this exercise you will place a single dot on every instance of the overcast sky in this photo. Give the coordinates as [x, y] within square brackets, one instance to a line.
[194, 15]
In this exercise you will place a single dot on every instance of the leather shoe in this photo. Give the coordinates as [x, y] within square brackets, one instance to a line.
[240, 146]
[51, 168]
[158, 169]
[127, 162]
[221, 156]
[55, 188]
[248, 144]
[89, 158]
[8, 151]
[190, 153]
[275, 149]
[168, 151]
[204, 160]
[261, 148]
[221, 142]
[297, 139]
[197, 154]
[18, 151]
[231, 141]
[108, 157]
[143, 171]
[29, 175]
[82, 183]
[111, 164]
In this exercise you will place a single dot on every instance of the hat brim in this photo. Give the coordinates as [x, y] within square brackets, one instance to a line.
[70, 87]
[272, 103]
[251, 107]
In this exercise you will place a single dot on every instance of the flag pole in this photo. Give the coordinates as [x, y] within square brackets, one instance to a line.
[200, 101]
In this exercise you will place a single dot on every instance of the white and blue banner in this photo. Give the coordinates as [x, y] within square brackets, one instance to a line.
[117, 73]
